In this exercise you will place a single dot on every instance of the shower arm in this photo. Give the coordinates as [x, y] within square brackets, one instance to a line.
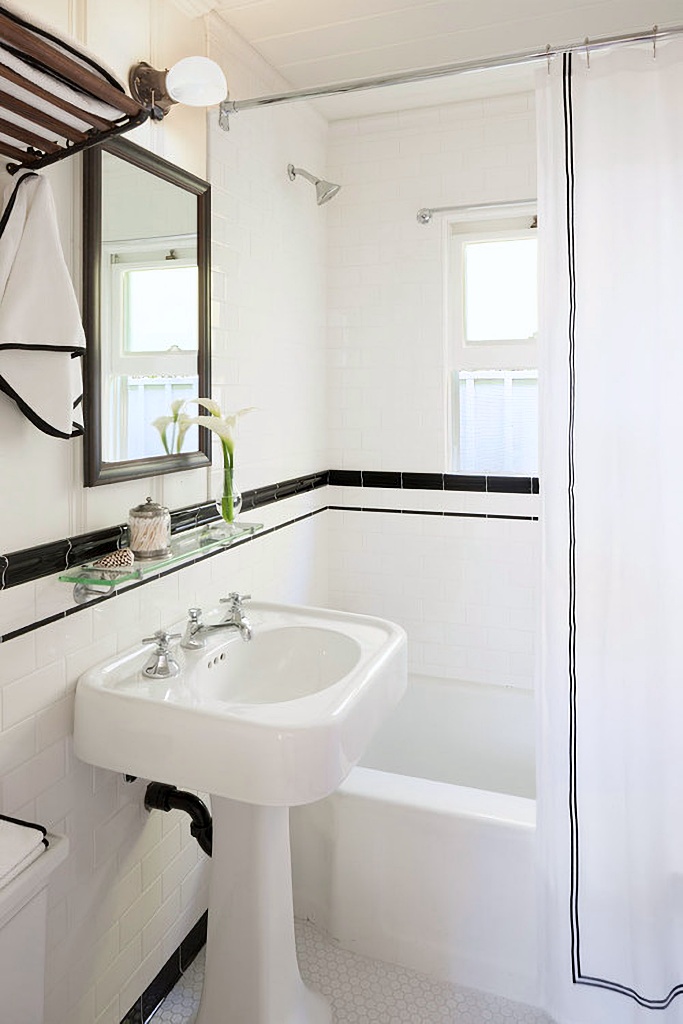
[294, 172]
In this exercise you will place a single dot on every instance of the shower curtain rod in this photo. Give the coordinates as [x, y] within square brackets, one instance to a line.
[653, 35]
[425, 214]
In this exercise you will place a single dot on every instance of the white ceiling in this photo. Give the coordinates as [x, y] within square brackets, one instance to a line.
[317, 42]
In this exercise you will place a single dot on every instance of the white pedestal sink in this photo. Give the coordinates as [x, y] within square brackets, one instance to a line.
[261, 725]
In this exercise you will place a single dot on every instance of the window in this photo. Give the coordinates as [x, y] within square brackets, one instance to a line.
[151, 296]
[494, 323]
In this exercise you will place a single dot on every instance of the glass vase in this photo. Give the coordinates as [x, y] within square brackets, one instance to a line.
[228, 499]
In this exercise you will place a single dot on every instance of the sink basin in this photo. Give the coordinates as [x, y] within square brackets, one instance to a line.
[278, 720]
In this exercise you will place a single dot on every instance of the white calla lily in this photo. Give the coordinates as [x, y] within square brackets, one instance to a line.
[220, 424]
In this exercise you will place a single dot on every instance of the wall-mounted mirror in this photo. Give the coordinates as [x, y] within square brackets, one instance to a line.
[146, 302]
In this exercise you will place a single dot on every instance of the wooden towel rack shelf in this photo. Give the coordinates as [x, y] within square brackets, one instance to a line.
[40, 137]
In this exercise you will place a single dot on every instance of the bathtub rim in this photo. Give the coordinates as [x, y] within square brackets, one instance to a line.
[439, 797]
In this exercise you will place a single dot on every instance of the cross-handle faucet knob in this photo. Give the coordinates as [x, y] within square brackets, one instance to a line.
[161, 664]
[161, 638]
[235, 599]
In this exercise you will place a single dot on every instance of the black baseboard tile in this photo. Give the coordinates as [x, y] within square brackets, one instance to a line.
[194, 941]
[159, 988]
[144, 1008]
[134, 1015]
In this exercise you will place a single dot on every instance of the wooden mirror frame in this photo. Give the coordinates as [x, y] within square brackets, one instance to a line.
[96, 471]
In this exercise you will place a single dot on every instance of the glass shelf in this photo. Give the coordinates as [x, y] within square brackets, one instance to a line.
[184, 547]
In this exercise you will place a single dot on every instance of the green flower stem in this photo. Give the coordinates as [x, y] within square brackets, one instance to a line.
[227, 502]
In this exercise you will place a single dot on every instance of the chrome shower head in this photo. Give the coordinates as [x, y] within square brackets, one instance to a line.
[324, 190]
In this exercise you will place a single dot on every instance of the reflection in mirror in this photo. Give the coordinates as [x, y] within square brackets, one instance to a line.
[146, 301]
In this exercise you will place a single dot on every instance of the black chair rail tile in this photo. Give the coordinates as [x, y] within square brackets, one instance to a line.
[48, 559]
[34, 563]
[463, 482]
[264, 495]
[346, 478]
[286, 488]
[423, 481]
[380, 478]
[89, 546]
[509, 484]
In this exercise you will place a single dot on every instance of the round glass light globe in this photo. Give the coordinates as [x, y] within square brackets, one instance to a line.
[196, 82]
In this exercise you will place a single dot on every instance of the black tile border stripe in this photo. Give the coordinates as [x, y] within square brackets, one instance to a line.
[430, 512]
[434, 481]
[112, 594]
[144, 1008]
[47, 559]
[34, 563]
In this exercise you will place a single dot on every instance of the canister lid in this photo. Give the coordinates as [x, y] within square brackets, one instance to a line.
[149, 510]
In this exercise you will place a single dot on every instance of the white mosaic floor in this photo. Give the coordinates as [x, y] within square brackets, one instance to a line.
[365, 991]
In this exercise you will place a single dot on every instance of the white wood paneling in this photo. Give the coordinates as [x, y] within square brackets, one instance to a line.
[312, 43]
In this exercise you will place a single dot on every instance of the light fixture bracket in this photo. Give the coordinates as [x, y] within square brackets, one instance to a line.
[148, 86]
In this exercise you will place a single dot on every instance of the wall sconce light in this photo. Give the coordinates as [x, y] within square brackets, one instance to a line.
[194, 81]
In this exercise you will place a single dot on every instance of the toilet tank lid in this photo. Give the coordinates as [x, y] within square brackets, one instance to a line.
[21, 842]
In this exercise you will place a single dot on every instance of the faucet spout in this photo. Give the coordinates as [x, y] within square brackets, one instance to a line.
[236, 616]
[196, 631]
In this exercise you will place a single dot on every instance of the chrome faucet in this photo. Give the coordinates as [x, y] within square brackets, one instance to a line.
[161, 664]
[236, 616]
[194, 638]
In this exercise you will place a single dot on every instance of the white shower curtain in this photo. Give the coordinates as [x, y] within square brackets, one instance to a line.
[611, 680]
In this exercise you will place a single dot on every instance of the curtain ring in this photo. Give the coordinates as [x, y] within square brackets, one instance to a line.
[588, 53]
[547, 51]
[654, 41]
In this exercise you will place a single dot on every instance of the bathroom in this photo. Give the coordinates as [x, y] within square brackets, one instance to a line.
[328, 322]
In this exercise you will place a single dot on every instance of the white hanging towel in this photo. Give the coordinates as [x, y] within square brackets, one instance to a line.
[21, 842]
[41, 334]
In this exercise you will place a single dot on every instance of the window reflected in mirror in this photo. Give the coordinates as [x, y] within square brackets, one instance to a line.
[146, 309]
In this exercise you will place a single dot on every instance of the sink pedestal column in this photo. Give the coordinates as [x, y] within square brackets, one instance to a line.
[252, 975]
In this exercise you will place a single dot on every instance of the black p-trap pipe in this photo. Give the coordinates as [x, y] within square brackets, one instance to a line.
[161, 797]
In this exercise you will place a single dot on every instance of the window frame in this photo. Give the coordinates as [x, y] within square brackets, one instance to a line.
[515, 222]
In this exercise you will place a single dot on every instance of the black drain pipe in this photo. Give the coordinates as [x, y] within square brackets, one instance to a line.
[161, 797]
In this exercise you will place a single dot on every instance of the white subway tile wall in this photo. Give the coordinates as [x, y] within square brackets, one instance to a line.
[386, 324]
[134, 883]
[465, 589]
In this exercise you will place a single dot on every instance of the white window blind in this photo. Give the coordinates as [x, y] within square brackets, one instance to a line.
[497, 429]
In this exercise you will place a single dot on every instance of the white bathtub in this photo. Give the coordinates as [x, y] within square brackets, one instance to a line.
[425, 855]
